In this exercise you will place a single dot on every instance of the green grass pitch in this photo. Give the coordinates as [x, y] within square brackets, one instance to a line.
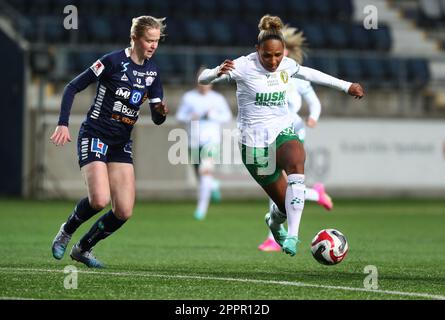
[162, 253]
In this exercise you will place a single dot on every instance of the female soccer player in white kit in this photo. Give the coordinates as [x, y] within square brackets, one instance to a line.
[267, 139]
[300, 89]
[203, 110]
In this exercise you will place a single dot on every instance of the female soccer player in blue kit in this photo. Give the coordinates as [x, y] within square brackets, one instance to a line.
[126, 78]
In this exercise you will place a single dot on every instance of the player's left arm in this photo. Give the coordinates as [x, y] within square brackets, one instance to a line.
[158, 107]
[312, 75]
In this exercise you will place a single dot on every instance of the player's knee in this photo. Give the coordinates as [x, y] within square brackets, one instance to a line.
[296, 165]
[99, 202]
[123, 213]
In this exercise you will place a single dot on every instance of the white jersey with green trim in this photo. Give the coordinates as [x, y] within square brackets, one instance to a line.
[262, 95]
[262, 99]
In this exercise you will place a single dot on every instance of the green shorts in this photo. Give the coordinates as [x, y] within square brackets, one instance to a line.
[261, 162]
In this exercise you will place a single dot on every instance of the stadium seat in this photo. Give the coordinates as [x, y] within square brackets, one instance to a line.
[220, 33]
[54, 32]
[418, 72]
[159, 8]
[322, 9]
[120, 27]
[87, 7]
[315, 36]
[99, 30]
[252, 10]
[109, 7]
[206, 9]
[229, 9]
[175, 33]
[350, 69]
[396, 69]
[278, 8]
[343, 10]
[430, 12]
[374, 71]
[196, 32]
[244, 34]
[323, 64]
[380, 38]
[181, 9]
[337, 36]
[38, 7]
[299, 9]
[208, 60]
[134, 8]
[360, 40]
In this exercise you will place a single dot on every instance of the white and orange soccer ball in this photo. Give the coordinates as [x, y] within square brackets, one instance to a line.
[329, 246]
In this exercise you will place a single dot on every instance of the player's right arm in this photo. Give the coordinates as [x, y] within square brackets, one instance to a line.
[62, 135]
[226, 71]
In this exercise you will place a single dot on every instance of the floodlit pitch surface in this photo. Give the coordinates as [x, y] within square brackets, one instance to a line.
[162, 253]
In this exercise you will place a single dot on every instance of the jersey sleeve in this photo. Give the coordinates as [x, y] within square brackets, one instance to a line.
[238, 72]
[155, 91]
[103, 66]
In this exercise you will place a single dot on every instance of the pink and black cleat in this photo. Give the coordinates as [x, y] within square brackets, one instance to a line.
[323, 198]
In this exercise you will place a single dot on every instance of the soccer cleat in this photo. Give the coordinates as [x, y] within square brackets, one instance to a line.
[198, 215]
[269, 245]
[279, 234]
[323, 198]
[60, 243]
[290, 245]
[85, 257]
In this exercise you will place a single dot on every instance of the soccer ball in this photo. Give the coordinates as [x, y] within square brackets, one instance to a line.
[329, 246]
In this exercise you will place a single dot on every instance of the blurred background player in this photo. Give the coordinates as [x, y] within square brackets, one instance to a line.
[125, 79]
[268, 141]
[203, 110]
[298, 89]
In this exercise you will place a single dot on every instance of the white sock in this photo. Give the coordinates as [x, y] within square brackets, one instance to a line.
[294, 203]
[311, 195]
[205, 189]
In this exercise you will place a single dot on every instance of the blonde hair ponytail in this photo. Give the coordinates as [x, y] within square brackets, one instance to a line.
[295, 43]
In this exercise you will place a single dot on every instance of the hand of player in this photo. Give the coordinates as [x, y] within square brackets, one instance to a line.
[311, 123]
[356, 91]
[225, 67]
[61, 136]
[162, 109]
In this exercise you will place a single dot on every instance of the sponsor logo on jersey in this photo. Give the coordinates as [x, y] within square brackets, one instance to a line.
[98, 146]
[139, 86]
[136, 97]
[127, 111]
[138, 80]
[124, 66]
[97, 67]
[149, 81]
[123, 92]
[270, 99]
[124, 77]
[144, 74]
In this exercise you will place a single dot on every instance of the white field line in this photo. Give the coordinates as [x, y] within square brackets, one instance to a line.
[267, 282]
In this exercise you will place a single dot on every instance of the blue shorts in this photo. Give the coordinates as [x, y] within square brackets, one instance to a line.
[91, 149]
